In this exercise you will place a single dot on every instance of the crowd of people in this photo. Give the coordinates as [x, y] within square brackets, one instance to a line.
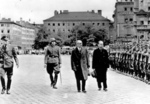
[132, 59]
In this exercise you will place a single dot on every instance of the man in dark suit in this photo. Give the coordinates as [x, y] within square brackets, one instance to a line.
[80, 65]
[9, 53]
[100, 64]
[52, 61]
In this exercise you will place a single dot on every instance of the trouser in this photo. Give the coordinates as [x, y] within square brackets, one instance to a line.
[79, 77]
[102, 77]
[79, 85]
[9, 72]
[51, 69]
[99, 83]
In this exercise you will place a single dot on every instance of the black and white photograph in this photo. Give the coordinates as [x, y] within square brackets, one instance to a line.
[74, 51]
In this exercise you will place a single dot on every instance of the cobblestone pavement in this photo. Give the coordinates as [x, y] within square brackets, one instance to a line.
[31, 85]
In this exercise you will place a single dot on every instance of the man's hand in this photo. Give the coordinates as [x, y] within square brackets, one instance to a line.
[59, 65]
[17, 65]
[45, 65]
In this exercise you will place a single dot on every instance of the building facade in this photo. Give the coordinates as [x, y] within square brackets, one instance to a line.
[20, 34]
[65, 21]
[124, 20]
[142, 19]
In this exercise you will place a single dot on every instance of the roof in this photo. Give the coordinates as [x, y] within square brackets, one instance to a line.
[8, 21]
[77, 16]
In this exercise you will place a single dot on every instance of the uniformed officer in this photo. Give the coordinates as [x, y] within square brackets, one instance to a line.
[9, 53]
[53, 61]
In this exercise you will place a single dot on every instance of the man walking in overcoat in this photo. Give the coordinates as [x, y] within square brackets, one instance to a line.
[100, 64]
[52, 61]
[80, 65]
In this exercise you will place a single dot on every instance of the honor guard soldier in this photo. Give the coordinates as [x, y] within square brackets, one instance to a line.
[53, 61]
[9, 54]
[148, 68]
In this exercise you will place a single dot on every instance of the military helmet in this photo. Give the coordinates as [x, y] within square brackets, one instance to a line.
[52, 40]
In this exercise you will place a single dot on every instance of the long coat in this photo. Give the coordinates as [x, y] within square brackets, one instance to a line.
[80, 61]
[100, 63]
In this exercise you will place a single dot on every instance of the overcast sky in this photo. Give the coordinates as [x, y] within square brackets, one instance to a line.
[39, 10]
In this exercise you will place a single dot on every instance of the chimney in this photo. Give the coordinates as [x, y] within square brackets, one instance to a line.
[55, 12]
[20, 19]
[9, 19]
[60, 11]
[93, 11]
[99, 12]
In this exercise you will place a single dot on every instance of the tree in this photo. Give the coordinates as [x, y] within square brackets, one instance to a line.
[43, 37]
[88, 34]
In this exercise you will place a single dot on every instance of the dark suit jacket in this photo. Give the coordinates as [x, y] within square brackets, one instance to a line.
[80, 61]
[100, 59]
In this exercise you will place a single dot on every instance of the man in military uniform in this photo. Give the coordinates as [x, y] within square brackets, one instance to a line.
[52, 61]
[9, 53]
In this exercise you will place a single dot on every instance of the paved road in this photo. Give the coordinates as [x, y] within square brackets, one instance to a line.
[31, 85]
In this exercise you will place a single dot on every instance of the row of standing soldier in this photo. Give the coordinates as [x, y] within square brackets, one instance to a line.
[133, 60]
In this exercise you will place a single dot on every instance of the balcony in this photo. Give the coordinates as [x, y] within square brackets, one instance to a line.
[143, 27]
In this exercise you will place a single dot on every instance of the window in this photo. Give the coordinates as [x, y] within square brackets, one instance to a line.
[131, 20]
[53, 30]
[83, 24]
[131, 9]
[69, 30]
[148, 22]
[125, 9]
[8, 31]
[98, 24]
[126, 20]
[103, 24]
[2, 31]
[53, 24]
[73, 24]
[130, 0]
[49, 24]
[2, 25]
[142, 22]
[93, 23]
[148, 8]
[63, 24]
[58, 24]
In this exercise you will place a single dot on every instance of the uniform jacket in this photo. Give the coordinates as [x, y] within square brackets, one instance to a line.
[100, 59]
[9, 54]
[52, 55]
[80, 60]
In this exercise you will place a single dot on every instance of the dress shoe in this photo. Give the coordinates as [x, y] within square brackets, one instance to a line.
[84, 91]
[54, 87]
[52, 84]
[105, 89]
[99, 89]
[8, 91]
[3, 91]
